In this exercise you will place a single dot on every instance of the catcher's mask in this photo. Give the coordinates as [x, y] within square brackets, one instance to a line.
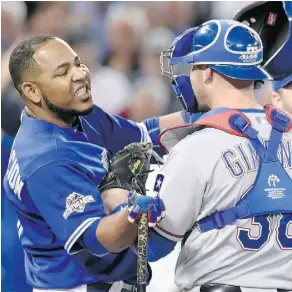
[272, 20]
[229, 47]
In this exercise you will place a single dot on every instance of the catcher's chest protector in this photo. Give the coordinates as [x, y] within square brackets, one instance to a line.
[271, 192]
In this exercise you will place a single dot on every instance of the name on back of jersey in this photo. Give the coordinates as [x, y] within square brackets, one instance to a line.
[242, 158]
[13, 175]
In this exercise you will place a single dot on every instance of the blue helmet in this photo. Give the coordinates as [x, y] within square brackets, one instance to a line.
[227, 46]
[273, 21]
[278, 84]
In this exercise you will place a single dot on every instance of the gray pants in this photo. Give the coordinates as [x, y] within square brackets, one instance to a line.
[227, 288]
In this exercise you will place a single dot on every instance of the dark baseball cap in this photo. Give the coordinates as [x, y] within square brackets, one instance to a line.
[278, 84]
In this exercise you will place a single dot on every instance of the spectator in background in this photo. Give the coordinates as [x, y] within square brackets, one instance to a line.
[111, 82]
[50, 18]
[151, 92]
[125, 24]
[282, 95]
[178, 15]
[90, 15]
[13, 17]
[82, 42]
[111, 90]
[226, 9]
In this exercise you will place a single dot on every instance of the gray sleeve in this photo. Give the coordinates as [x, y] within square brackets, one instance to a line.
[182, 190]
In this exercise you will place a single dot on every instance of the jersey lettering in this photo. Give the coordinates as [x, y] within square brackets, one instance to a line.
[13, 175]
[243, 158]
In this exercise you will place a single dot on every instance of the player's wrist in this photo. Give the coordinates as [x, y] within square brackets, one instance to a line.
[119, 208]
[112, 198]
[91, 242]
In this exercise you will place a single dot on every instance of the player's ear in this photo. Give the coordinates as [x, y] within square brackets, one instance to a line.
[31, 91]
[276, 99]
[208, 75]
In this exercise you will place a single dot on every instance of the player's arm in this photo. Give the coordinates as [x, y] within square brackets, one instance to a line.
[119, 132]
[71, 204]
[181, 186]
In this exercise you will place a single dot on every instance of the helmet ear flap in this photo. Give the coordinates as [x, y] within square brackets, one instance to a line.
[184, 91]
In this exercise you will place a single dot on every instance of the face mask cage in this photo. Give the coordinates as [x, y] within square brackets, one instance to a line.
[166, 68]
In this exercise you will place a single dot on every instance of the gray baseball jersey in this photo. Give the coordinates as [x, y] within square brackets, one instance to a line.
[211, 170]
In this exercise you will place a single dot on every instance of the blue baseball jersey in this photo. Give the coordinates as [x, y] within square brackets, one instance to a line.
[52, 182]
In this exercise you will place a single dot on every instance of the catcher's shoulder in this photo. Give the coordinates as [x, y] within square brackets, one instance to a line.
[205, 143]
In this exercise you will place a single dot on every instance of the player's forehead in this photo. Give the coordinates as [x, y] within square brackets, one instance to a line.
[54, 53]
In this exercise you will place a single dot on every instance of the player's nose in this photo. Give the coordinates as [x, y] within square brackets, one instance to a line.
[79, 74]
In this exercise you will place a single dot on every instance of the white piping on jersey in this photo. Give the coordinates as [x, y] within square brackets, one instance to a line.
[19, 229]
[78, 232]
[116, 287]
[167, 234]
[144, 133]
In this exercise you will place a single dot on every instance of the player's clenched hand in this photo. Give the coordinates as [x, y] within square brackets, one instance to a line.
[139, 204]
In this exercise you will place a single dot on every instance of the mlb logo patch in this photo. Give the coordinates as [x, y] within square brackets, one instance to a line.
[76, 203]
[272, 19]
[158, 182]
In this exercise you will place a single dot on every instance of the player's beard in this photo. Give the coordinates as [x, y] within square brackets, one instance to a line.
[66, 114]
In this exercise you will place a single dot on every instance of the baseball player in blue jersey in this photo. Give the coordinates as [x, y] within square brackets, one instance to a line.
[283, 93]
[226, 183]
[59, 158]
[273, 21]
[278, 93]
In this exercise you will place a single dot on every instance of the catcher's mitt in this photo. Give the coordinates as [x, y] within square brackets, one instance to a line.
[129, 169]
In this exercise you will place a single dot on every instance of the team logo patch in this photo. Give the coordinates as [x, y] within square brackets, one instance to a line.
[274, 191]
[272, 180]
[76, 203]
[158, 182]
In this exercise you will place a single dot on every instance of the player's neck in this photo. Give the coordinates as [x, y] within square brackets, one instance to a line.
[50, 118]
[234, 99]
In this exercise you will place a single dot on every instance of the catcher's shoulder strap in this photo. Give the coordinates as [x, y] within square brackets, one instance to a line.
[235, 122]
[226, 120]
[272, 181]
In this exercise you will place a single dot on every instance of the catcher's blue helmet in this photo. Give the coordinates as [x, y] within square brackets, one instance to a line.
[227, 46]
[273, 21]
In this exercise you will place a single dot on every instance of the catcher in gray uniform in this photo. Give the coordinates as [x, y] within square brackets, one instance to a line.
[226, 183]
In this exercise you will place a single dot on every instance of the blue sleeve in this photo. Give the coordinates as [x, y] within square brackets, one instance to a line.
[153, 129]
[67, 199]
[158, 246]
[117, 132]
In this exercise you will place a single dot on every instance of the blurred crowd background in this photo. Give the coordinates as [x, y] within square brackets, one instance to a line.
[120, 42]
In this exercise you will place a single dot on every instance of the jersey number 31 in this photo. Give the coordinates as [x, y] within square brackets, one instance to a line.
[284, 239]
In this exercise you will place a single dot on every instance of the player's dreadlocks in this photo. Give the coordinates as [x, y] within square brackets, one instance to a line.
[22, 60]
